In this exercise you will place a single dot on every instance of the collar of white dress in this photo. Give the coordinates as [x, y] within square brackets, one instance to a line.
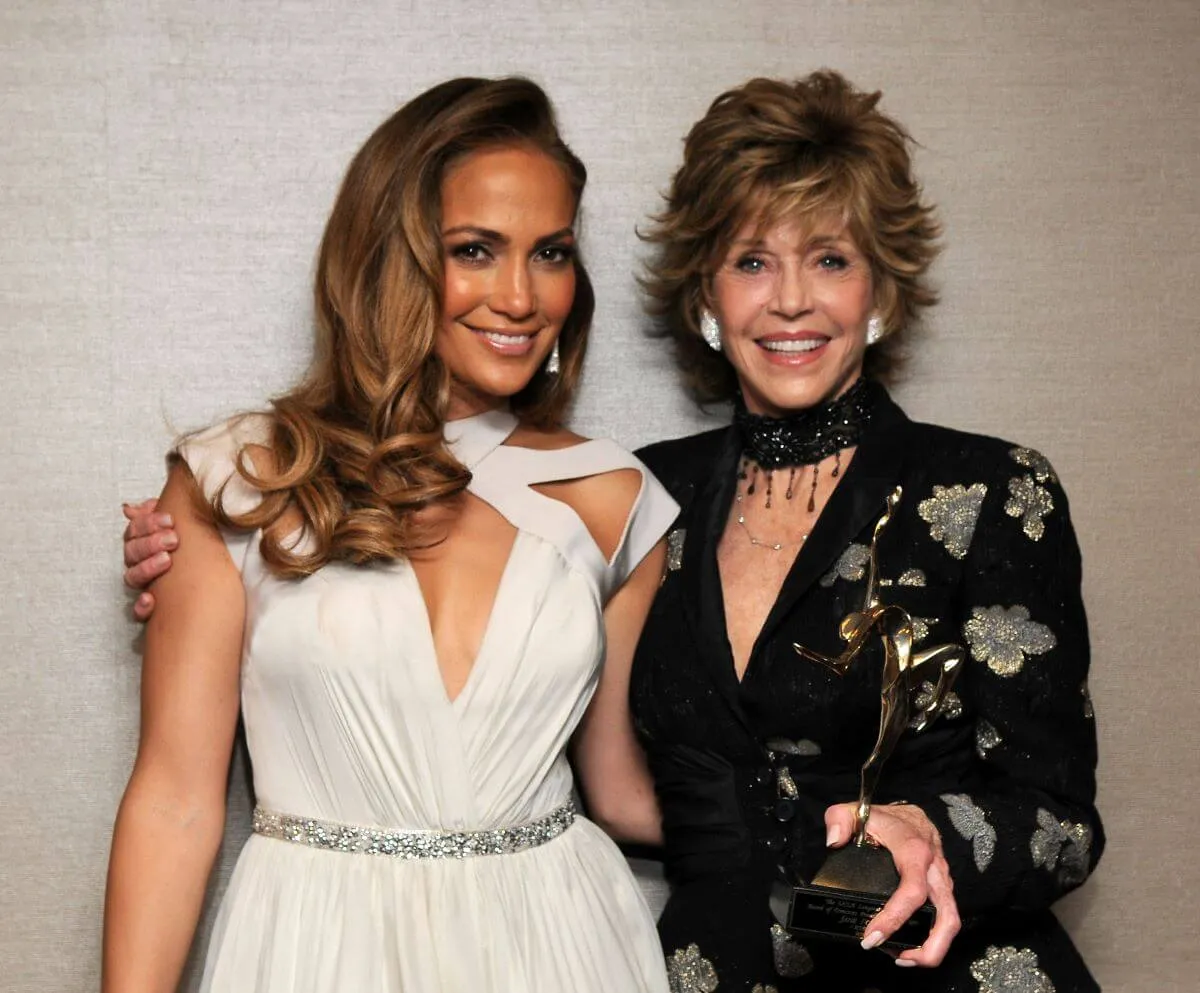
[472, 439]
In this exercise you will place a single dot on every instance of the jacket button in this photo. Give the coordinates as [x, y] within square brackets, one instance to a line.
[785, 809]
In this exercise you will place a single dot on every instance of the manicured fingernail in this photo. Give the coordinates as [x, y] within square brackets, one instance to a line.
[872, 940]
[169, 541]
[161, 558]
[905, 963]
[166, 521]
[834, 836]
[144, 600]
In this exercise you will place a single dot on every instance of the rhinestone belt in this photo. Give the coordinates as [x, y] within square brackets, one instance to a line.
[335, 837]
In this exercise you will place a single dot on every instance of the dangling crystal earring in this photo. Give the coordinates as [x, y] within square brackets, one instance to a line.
[710, 330]
[552, 364]
[874, 330]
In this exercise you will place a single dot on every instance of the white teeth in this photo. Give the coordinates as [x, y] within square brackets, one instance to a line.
[507, 339]
[793, 345]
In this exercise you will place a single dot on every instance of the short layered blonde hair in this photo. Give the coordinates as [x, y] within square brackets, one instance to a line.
[770, 150]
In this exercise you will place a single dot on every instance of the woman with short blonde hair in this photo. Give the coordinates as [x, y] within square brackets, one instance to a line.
[791, 264]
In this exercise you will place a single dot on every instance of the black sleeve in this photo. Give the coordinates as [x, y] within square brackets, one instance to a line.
[1030, 832]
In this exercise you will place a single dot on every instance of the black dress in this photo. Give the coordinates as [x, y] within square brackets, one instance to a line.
[981, 552]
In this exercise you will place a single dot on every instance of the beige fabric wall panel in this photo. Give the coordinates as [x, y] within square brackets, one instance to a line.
[165, 172]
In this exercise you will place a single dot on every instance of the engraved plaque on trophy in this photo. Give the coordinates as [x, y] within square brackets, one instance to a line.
[856, 881]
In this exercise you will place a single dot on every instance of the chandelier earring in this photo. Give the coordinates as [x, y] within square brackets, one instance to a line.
[875, 330]
[552, 363]
[710, 330]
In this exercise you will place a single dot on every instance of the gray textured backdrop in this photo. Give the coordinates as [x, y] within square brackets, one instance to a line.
[165, 169]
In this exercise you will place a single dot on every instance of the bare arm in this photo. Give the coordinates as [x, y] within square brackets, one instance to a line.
[612, 768]
[172, 815]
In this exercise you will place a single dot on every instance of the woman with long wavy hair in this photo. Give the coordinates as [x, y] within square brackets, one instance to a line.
[406, 575]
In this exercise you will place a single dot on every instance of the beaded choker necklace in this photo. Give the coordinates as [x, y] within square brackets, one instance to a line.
[807, 436]
[801, 439]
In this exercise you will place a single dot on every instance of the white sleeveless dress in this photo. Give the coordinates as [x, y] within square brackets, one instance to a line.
[364, 769]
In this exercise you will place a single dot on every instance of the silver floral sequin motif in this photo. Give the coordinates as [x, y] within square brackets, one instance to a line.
[1004, 638]
[969, 821]
[921, 628]
[689, 972]
[675, 549]
[951, 705]
[1030, 502]
[1010, 970]
[851, 565]
[911, 577]
[1061, 845]
[952, 513]
[1040, 465]
[792, 959]
[986, 738]
[760, 988]
[335, 837]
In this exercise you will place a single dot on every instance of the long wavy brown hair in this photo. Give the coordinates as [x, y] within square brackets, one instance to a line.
[358, 446]
[772, 149]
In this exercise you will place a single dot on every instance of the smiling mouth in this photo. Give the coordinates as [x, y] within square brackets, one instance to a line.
[506, 342]
[502, 338]
[791, 346]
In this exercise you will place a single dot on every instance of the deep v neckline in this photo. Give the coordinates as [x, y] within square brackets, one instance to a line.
[854, 503]
[708, 585]
[471, 440]
[485, 639]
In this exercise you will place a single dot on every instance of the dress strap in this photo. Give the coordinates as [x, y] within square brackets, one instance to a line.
[212, 456]
[472, 439]
[506, 477]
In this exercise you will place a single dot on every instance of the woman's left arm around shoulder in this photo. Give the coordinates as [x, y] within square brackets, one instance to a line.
[613, 776]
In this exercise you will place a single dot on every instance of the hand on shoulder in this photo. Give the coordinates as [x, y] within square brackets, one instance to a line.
[149, 540]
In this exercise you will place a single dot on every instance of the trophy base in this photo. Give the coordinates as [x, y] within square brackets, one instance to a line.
[844, 895]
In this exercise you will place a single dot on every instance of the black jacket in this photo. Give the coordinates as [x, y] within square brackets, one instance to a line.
[981, 552]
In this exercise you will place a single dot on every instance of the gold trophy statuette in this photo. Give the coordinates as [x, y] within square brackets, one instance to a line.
[855, 881]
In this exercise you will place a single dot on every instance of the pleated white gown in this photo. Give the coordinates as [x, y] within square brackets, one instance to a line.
[348, 721]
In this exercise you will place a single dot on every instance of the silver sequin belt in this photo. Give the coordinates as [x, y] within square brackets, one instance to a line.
[334, 837]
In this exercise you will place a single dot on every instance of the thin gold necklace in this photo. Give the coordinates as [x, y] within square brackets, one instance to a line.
[774, 546]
